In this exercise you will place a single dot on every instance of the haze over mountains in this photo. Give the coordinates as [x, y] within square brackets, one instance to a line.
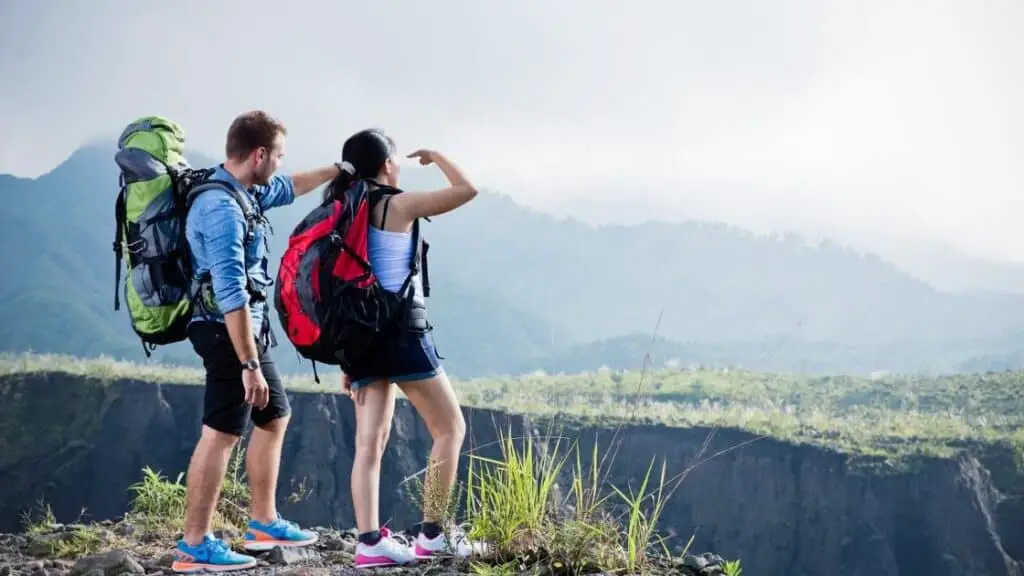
[942, 265]
[515, 290]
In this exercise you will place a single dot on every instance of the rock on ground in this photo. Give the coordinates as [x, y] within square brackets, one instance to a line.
[332, 555]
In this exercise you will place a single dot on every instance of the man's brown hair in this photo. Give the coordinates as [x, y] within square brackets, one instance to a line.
[251, 130]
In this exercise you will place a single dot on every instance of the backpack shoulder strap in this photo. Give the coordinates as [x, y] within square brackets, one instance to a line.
[384, 214]
[418, 261]
[248, 211]
[379, 193]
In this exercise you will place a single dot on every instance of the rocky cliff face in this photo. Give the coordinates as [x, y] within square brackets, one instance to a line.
[782, 508]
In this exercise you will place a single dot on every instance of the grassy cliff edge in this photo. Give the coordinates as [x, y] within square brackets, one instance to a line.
[511, 502]
[889, 416]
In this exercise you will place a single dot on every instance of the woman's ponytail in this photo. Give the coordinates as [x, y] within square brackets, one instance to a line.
[342, 182]
[363, 156]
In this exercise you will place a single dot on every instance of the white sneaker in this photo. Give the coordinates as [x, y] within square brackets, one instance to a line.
[386, 552]
[455, 543]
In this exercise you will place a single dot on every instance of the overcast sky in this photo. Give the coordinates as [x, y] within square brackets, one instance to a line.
[867, 120]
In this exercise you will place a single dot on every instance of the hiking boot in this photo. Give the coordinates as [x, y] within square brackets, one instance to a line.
[454, 543]
[386, 552]
[280, 532]
[212, 554]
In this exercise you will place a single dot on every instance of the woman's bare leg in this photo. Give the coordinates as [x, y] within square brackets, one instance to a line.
[374, 411]
[436, 403]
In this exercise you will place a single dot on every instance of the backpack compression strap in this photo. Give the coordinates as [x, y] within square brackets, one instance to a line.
[120, 213]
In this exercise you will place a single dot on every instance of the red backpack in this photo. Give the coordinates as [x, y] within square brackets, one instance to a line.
[327, 296]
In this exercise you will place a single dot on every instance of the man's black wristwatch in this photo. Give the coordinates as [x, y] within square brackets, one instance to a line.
[251, 364]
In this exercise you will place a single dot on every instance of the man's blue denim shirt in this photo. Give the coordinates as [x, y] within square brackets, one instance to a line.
[215, 229]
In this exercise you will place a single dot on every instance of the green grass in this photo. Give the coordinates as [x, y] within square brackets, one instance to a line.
[83, 540]
[890, 415]
[884, 416]
[515, 504]
[79, 540]
[158, 504]
[510, 503]
[40, 521]
[156, 517]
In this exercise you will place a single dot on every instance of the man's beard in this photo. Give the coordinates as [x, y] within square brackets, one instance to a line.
[261, 177]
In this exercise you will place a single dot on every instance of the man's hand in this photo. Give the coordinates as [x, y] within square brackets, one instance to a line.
[257, 393]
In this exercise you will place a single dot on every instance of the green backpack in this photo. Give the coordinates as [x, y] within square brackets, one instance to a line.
[157, 186]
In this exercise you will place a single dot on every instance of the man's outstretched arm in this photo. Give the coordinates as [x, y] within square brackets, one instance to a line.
[306, 182]
[284, 189]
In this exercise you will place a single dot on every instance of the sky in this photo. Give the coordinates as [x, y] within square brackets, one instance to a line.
[879, 123]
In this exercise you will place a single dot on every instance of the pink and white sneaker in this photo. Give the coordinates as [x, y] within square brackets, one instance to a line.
[386, 552]
[455, 543]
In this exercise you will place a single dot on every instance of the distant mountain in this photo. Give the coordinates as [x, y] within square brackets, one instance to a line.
[948, 269]
[57, 233]
[516, 289]
[712, 282]
[58, 284]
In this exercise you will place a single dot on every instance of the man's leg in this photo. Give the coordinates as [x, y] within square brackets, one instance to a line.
[263, 464]
[205, 476]
[263, 459]
[225, 414]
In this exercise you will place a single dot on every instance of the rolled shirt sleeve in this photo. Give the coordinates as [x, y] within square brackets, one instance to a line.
[279, 192]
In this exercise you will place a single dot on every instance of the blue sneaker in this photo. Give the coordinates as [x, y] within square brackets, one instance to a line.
[280, 532]
[211, 555]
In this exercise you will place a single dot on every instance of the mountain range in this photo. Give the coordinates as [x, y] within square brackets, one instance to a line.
[514, 290]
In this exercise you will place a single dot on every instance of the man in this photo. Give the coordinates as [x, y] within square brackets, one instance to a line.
[231, 332]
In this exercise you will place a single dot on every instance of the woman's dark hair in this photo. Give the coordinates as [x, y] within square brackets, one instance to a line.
[362, 158]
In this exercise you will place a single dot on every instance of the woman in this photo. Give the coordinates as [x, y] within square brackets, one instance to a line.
[408, 359]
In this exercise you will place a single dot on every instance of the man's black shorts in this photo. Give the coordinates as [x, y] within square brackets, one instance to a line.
[224, 406]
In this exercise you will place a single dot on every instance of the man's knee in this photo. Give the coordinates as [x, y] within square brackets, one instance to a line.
[217, 439]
